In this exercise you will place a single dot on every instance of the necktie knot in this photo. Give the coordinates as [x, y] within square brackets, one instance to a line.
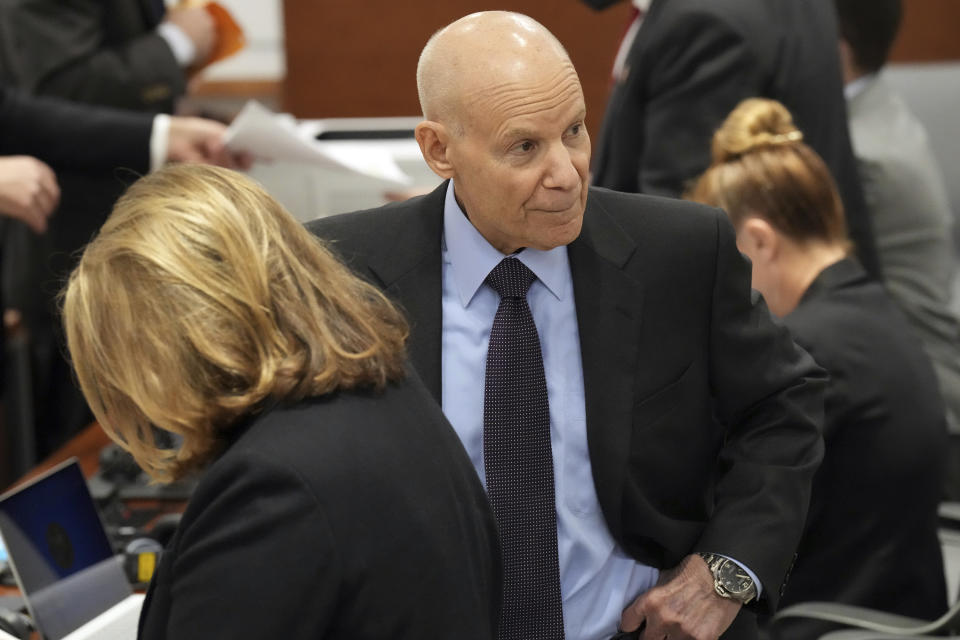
[511, 278]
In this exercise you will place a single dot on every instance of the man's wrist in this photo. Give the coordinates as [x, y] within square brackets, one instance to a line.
[731, 579]
[183, 48]
[159, 141]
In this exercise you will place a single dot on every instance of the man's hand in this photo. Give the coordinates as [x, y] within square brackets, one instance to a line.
[28, 191]
[198, 25]
[199, 140]
[683, 605]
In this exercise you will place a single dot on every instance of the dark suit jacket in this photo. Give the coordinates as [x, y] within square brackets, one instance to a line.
[99, 51]
[693, 61]
[669, 341]
[103, 52]
[353, 516]
[94, 151]
[72, 136]
[871, 536]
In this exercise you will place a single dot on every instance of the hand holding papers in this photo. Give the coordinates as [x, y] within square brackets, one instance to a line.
[279, 137]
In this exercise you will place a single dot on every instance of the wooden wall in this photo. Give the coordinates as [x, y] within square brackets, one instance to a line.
[350, 58]
[358, 58]
[930, 32]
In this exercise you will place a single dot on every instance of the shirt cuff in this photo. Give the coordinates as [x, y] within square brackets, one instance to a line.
[753, 576]
[180, 43]
[159, 141]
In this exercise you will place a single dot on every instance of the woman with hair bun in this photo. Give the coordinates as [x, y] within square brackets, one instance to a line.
[871, 534]
[335, 501]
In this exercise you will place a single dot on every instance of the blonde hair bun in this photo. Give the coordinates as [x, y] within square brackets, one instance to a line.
[755, 123]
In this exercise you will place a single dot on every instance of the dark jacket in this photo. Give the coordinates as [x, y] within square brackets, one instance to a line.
[871, 536]
[353, 516]
[702, 414]
[103, 52]
[693, 61]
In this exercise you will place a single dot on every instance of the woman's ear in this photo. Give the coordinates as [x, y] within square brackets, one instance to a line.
[433, 138]
[758, 240]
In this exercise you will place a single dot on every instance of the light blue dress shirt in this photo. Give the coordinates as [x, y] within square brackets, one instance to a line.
[597, 579]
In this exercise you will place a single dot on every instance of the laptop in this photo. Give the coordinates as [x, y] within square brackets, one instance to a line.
[73, 583]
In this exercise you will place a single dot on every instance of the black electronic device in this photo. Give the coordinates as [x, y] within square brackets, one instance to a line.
[61, 557]
[15, 623]
[119, 476]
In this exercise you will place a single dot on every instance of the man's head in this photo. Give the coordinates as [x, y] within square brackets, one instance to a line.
[504, 117]
[867, 31]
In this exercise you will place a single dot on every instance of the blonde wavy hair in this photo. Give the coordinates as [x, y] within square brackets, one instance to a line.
[761, 167]
[201, 298]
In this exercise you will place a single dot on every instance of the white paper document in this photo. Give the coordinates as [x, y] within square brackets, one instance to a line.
[279, 137]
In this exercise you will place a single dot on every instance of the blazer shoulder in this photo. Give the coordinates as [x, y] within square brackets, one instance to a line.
[348, 224]
[383, 228]
[636, 213]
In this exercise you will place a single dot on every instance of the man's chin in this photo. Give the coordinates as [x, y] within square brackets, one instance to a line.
[560, 234]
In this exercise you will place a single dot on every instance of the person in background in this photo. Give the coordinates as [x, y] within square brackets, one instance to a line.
[71, 136]
[871, 534]
[43, 139]
[685, 64]
[907, 199]
[598, 354]
[131, 54]
[335, 500]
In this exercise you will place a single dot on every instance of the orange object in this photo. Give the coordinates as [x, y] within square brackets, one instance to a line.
[230, 38]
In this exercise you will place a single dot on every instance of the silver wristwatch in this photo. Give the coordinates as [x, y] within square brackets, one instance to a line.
[730, 579]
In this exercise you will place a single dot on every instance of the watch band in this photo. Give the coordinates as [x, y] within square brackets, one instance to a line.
[719, 565]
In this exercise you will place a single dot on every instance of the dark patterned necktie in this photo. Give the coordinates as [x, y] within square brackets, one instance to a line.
[519, 463]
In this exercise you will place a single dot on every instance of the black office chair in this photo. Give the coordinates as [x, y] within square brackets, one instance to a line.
[870, 624]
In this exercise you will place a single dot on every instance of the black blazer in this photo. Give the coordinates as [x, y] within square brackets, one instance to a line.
[669, 341]
[97, 51]
[871, 536]
[693, 61]
[353, 516]
[73, 136]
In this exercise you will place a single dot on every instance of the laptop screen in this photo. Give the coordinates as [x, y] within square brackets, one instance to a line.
[59, 551]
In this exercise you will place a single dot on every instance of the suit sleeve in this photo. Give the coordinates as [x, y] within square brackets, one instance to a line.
[256, 559]
[770, 396]
[73, 136]
[702, 68]
[61, 52]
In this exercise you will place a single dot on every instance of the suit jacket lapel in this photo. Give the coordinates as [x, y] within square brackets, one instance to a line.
[412, 278]
[609, 305]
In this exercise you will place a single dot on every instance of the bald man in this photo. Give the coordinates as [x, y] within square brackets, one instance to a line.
[681, 420]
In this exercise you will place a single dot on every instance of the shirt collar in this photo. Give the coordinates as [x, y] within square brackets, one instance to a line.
[642, 5]
[855, 87]
[472, 257]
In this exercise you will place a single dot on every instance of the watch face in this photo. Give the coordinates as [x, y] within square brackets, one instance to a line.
[734, 579]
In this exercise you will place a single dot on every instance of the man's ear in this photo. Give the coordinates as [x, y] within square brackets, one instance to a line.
[760, 240]
[433, 138]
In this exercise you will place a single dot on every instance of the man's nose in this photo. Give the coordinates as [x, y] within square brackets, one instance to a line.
[561, 171]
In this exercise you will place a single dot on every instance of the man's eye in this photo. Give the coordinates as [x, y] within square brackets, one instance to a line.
[575, 129]
[525, 146]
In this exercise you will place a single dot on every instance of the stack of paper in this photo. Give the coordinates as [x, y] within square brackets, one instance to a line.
[278, 137]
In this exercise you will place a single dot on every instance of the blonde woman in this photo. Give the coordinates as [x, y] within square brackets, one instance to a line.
[871, 534]
[335, 500]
